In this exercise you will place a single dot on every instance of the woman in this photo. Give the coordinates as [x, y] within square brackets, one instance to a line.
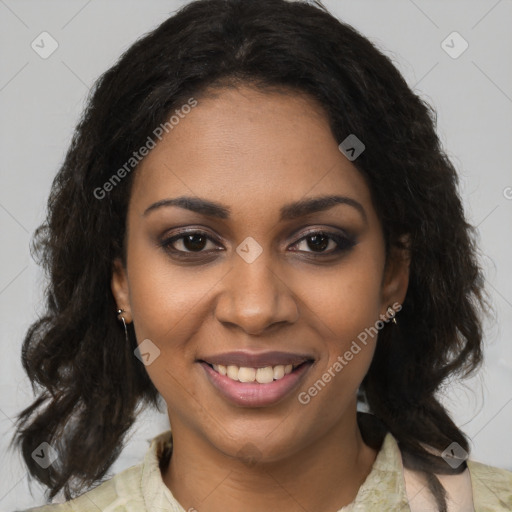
[256, 222]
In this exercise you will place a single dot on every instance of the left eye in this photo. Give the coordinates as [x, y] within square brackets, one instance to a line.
[319, 241]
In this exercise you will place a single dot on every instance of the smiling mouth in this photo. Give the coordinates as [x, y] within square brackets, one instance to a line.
[264, 375]
[249, 379]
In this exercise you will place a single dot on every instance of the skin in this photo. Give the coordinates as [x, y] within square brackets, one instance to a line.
[255, 152]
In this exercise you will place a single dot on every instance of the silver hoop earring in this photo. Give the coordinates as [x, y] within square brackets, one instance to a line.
[119, 313]
[391, 312]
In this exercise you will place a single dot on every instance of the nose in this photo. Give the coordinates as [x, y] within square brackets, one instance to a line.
[255, 298]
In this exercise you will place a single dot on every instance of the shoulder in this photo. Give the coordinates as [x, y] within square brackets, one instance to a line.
[121, 489]
[492, 487]
[139, 487]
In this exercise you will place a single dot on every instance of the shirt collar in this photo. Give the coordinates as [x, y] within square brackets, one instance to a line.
[156, 495]
[384, 486]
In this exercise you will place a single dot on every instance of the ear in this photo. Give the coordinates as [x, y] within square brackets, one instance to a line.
[120, 289]
[396, 275]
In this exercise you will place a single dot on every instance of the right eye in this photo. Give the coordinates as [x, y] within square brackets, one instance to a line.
[187, 242]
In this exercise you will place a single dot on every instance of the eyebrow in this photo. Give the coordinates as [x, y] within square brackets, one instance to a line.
[288, 212]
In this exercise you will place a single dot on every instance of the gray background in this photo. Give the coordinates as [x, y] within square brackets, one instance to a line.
[41, 100]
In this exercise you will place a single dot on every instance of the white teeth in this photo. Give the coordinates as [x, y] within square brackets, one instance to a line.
[278, 371]
[246, 374]
[265, 375]
[261, 375]
[232, 372]
[220, 368]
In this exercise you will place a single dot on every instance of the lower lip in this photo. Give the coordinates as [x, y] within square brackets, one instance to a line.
[253, 394]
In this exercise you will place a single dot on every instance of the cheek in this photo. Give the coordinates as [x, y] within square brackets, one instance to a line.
[347, 309]
[168, 306]
[346, 306]
[346, 300]
[164, 297]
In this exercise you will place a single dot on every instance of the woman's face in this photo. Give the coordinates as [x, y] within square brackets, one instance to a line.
[255, 272]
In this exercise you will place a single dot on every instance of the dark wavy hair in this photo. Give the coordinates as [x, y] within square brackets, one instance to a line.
[89, 386]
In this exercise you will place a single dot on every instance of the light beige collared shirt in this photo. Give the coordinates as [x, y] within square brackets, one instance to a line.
[388, 487]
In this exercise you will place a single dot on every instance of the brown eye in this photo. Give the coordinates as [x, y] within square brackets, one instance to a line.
[189, 242]
[194, 242]
[319, 241]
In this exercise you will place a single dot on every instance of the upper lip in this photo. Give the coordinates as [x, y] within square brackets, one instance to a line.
[256, 360]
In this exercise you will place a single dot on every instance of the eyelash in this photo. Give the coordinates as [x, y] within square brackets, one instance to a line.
[344, 243]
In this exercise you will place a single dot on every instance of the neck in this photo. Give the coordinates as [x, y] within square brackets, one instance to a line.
[324, 475]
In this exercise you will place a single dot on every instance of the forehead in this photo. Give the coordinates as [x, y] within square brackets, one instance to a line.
[246, 147]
